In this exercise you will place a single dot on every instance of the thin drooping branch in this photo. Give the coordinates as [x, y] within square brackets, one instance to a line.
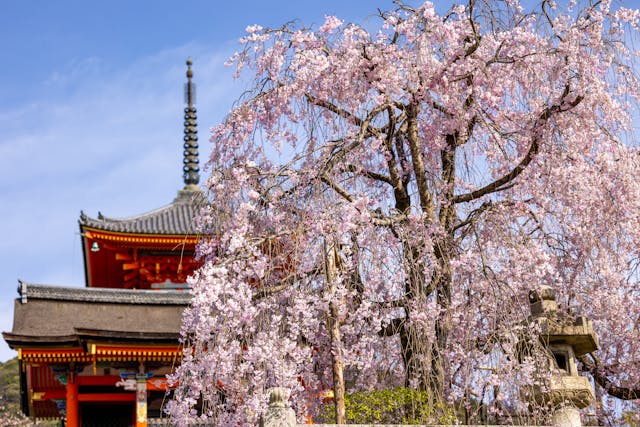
[287, 282]
[377, 218]
[334, 109]
[392, 328]
[476, 213]
[473, 216]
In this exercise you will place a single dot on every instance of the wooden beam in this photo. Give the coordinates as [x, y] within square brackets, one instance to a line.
[107, 397]
[123, 257]
[99, 380]
[130, 266]
[48, 394]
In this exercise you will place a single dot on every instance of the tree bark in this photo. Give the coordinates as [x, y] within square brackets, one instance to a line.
[600, 377]
[337, 360]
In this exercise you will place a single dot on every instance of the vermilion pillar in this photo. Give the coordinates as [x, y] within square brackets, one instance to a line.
[72, 401]
[141, 400]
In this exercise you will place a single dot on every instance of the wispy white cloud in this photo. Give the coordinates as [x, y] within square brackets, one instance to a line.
[96, 139]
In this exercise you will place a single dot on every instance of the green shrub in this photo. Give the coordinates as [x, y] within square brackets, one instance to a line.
[391, 406]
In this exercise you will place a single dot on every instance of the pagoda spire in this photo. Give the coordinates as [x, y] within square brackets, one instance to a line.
[190, 168]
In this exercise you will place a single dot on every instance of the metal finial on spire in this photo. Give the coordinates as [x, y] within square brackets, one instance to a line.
[191, 169]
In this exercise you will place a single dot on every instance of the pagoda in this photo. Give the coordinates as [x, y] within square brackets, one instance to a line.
[99, 355]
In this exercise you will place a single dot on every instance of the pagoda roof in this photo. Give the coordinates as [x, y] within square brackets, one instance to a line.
[176, 218]
[54, 316]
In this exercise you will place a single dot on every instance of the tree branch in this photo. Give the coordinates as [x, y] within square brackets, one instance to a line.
[475, 214]
[366, 130]
[336, 187]
[370, 174]
[598, 373]
[334, 109]
[381, 220]
[426, 202]
[498, 185]
[265, 292]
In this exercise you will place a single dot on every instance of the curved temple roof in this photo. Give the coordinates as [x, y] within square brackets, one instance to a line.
[176, 218]
[51, 315]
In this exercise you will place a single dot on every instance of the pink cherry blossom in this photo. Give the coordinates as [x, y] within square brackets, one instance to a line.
[452, 163]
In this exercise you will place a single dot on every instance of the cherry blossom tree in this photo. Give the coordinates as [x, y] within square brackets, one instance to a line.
[384, 198]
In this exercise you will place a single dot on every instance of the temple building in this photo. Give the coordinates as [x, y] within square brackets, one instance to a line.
[98, 355]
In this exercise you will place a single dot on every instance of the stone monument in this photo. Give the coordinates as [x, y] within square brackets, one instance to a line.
[279, 413]
[565, 337]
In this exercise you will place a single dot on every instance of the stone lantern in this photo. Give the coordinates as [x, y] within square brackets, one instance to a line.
[566, 338]
[279, 412]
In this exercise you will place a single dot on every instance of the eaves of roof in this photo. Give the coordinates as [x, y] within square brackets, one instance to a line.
[177, 218]
[30, 291]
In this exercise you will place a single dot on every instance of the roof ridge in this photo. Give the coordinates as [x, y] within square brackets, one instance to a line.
[176, 218]
[105, 218]
[106, 295]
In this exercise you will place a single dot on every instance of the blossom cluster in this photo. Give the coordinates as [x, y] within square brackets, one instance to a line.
[451, 164]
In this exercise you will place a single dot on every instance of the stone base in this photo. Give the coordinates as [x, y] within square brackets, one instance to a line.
[565, 389]
[566, 417]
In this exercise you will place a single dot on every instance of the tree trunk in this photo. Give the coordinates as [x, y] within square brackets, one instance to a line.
[337, 361]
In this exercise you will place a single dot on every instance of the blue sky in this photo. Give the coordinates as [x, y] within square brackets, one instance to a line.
[91, 114]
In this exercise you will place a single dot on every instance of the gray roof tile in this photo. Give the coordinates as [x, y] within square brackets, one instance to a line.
[176, 218]
[30, 291]
[50, 315]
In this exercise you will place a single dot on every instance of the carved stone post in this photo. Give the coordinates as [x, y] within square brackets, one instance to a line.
[279, 412]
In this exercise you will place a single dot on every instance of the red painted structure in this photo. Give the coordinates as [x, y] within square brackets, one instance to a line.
[102, 352]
